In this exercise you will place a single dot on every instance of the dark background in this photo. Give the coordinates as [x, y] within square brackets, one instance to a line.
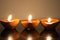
[37, 8]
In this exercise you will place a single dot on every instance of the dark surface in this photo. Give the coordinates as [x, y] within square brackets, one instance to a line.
[25, 34]
[21, 33]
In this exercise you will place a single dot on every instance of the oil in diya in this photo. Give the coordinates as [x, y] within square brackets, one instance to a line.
[30, 23]
[49, 23]
[10, 23]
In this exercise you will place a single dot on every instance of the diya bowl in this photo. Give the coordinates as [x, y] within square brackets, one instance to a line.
[34, 23]
[54, 23]
[10, 25]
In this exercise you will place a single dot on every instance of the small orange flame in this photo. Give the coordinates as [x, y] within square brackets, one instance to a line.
[9, 18]
[49, 20]
[29, 18]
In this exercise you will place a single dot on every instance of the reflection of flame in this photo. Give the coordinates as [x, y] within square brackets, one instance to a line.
[29, 18]
[9, 18]
[49, 19]
[29, 38]
[48, 38]
[10, 38]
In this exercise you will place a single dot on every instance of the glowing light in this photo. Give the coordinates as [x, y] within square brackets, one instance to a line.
[9, 18]
[29, 38]
[10, 38]
[49, 19]
[48, 38]
[29, 18]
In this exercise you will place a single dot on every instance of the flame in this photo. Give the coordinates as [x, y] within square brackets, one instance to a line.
[10, 38]
[49, 20]
[29, 38]
[9, 18]
[48, 38]
[29, 18]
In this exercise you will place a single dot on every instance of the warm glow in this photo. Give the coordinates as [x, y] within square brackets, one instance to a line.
[48, 38]
[49, 19]
[29, 18]
[10, 38]
[29, 38]
[9, 18]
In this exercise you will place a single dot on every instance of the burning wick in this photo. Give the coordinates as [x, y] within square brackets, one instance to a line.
[9, 18]
[49, 21]
[29, 18]
[10, 38]
[48, 38]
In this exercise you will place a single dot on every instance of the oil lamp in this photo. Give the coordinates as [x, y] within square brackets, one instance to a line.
[49, 23]
[30, 23]
[10, 23]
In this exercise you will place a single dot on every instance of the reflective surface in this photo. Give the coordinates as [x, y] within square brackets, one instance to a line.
[50, 34]
[9, 34]
[29, 35]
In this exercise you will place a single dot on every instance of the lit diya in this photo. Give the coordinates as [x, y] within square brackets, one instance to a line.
[49, 23]
[10, 23]
[30, 23]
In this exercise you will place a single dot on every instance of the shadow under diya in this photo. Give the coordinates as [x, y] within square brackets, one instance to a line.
[28, 34]
[10, 25]
[9, 34]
